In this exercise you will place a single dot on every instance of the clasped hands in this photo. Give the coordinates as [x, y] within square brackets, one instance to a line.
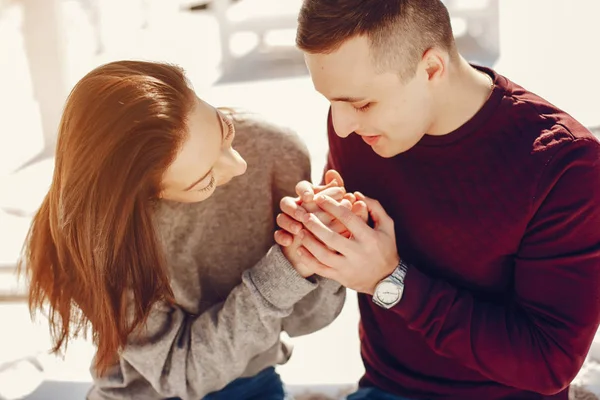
[324, 231]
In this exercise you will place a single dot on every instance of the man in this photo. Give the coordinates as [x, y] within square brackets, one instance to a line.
[479, 276]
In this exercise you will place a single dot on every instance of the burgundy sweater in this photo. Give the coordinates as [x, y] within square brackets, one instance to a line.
[500, 221]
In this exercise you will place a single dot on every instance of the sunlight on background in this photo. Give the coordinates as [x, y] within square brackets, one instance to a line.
[236, 53]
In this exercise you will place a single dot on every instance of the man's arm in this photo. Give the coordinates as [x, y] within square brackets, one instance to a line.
[539, 338]
[535, 340]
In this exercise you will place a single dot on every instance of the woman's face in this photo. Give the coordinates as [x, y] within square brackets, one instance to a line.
[206, 159]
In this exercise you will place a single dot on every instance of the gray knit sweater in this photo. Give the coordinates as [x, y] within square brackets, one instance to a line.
[235, 290]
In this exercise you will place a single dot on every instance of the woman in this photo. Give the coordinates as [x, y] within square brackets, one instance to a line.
[180, 283]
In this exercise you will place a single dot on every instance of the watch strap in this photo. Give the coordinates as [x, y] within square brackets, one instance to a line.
[399, 273]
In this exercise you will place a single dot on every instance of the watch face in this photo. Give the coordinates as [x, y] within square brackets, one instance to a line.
[387, 292]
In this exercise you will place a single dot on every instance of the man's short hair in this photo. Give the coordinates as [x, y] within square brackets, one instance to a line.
[399, 31]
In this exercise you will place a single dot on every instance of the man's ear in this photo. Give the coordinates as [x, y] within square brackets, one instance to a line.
[434, 62]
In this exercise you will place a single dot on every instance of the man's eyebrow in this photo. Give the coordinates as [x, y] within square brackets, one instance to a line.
[349, 99]
[220, 121]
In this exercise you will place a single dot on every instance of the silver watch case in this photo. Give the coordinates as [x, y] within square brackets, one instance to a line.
[389, 291]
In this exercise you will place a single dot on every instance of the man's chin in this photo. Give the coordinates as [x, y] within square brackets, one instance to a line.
[383, 151]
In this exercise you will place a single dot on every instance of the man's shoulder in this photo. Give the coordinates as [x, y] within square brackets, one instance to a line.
[538, 121]
[547, 142]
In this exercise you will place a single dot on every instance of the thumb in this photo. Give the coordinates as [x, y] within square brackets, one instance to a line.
[383, 222]
[304, 190]
[332, 175]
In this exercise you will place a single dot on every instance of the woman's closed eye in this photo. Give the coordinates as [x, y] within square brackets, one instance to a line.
[210, 185]
[230, 128]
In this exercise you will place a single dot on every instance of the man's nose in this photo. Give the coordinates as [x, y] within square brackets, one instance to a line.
[344, 120]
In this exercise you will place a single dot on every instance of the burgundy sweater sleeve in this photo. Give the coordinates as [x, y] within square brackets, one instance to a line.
[538, 339]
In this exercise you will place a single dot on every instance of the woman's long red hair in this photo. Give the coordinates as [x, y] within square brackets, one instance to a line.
[92, 253]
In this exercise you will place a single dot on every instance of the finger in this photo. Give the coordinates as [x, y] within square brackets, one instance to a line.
[320, 188]
[359, 229]
[359, 196]
[283, 238]
[307, 259]
[360, 208]
[304, 189]
[338, 227]
[350, 197]
[290, 207]
[332, 175]
[381, 218]
[345, 203]
[327, 236]
[335, 192]
[289, 224]
[324, 217]
[324, 255]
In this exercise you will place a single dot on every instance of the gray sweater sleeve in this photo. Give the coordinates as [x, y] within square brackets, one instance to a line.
[320, 307]
[317, 309]
[189, 356]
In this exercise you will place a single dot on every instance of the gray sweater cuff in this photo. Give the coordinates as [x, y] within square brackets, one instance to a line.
[277, 280]
[328, 285]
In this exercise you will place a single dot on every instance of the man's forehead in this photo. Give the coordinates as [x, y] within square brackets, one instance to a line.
[343, 75]
[345, 87]
[340, 63]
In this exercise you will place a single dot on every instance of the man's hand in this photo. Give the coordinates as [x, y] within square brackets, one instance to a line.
[359, 262]
[333, 188]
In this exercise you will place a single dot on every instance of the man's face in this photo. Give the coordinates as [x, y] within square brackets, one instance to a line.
[391, 115]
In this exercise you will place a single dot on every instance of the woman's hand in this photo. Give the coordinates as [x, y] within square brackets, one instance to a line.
[334, 188]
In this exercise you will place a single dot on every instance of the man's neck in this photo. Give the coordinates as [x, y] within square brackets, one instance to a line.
[465, 92]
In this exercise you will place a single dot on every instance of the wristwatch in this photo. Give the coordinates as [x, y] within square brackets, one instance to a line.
[389, 291]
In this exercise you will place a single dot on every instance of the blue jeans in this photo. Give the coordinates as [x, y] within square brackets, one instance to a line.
[373, 394]
[266, 385]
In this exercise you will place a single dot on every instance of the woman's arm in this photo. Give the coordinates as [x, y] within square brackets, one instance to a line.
[188, 356]
[317, 309]
[321, 306]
